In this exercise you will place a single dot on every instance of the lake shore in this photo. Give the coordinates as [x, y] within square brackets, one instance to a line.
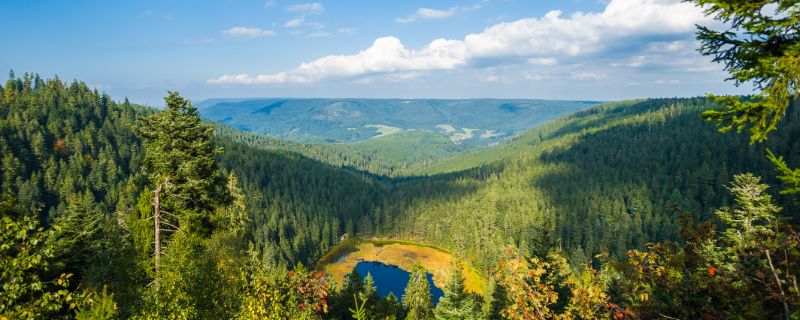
[403, 254]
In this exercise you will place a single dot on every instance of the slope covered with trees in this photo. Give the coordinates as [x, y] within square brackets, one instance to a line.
[629, 210]
[604, 180]
[638, 165]
[92, 185]
[74, 156]
[394, 155]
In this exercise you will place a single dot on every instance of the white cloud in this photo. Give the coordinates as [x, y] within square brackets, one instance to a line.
[491, 78]
[346, 30]
[306, 8]
[588, 76]
[320, 33]
[386, 55]
[533, 77]
[296, 22]
[543, 61]
[314, 25]
[637, 61]
[405, 20]
[634, 23]
[428, 13]
[670, 46]
[270, 3]
[242, 32]
[301, 22]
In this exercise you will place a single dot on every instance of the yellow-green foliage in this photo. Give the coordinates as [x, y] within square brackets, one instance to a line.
[280, 294]
[26, 255]
[533, 285]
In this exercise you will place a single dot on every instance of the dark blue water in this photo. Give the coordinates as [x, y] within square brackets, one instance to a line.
[392, 279]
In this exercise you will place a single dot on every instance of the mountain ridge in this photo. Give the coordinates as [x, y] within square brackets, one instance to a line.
[471, 122]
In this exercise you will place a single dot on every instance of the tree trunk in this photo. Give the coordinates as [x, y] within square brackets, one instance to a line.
[157, 224]
[780, 287]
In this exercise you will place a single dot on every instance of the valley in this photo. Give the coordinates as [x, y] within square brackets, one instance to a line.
[351, 120]
[385, 161]
[287, 203]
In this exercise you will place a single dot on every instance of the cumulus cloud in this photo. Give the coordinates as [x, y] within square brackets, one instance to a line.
[428, 13]
[306, 8]
[532, 40]
[242, 32]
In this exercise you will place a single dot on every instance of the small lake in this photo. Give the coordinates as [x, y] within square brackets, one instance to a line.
[392, 279]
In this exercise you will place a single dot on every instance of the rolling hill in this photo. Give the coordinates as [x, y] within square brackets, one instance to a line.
[593, 183]
[469, 123]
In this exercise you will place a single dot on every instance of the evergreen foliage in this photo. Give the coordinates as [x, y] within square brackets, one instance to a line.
[609, 179]
[626, 210]
[417, 296]
[758, 47]
[457, 303]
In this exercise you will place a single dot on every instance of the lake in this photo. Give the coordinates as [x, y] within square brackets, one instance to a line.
[392, 279]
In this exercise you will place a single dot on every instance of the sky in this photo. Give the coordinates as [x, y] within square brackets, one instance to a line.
[561, 49]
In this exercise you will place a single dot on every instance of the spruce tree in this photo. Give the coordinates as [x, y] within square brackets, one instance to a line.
[345, 298]
[417, 297]
[179, 162]
[393, 307]
[494, 301]
[369, 289]
[760, 46]
[369, 292]
[457, 303]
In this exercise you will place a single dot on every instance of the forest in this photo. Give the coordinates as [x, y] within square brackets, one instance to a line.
[672, 208]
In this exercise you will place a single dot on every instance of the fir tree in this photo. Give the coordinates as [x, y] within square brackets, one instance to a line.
[761, 46]
[457, 303]
[179, 162]
[417, 297]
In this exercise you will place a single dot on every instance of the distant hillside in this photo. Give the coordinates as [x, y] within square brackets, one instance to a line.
[391, 155]
[468, 123]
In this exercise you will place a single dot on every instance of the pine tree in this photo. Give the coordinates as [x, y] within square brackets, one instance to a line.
[417, 297]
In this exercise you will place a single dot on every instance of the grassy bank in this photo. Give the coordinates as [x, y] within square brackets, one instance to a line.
[404, 254]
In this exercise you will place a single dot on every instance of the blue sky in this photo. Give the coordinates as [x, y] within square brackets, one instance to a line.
[564, 49]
